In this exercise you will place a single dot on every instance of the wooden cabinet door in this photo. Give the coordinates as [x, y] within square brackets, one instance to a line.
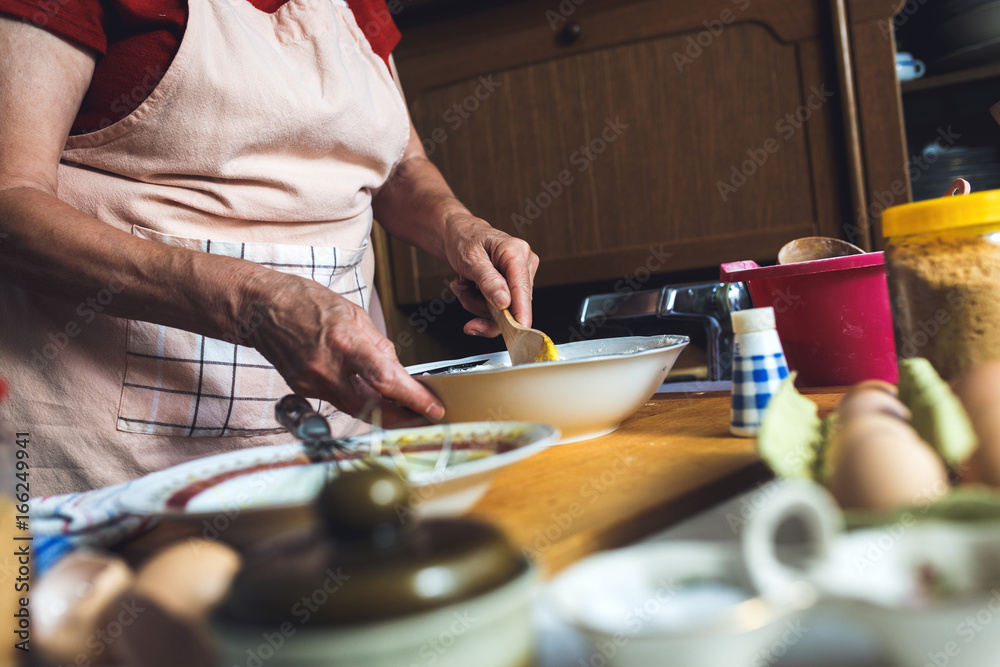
[668, 136]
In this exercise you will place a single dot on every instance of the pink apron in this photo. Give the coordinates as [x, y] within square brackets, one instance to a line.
[265, 140]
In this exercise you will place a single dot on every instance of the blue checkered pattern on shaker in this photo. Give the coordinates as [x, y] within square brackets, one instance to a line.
[755, 380]
[759, 366]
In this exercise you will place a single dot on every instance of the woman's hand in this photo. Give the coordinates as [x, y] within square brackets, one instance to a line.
[501, 266]
[327, 347]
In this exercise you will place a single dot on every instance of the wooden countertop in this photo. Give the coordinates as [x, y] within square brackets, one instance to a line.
[673, 458]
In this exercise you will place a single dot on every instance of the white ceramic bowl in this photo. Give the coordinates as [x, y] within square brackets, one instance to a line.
[596, 385]
[635, 607]
[490, 630]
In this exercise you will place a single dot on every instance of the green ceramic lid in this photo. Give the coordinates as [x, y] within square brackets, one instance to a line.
[401, 566]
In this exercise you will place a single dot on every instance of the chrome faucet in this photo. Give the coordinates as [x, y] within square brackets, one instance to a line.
[708, 305]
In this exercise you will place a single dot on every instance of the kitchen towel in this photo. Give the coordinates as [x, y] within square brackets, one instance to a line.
[60, 524]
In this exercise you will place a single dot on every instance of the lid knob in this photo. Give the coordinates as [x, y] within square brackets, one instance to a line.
[365, 505]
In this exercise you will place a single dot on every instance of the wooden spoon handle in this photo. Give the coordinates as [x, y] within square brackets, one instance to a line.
[508, 325]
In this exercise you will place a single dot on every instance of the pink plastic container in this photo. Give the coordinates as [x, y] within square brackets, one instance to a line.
[833, 316]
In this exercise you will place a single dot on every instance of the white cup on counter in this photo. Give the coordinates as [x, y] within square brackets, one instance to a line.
[930, 591]
[687, 604]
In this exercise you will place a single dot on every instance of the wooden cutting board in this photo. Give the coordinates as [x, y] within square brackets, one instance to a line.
[673, 458]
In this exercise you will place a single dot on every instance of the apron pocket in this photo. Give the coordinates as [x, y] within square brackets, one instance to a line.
[184, 384]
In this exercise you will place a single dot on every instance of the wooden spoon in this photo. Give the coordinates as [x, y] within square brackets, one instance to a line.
[525, 346]
[820, 247]
[816, 247]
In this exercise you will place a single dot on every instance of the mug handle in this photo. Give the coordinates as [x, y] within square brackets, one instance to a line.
[795, 500]
[959, 187]
[919, 68]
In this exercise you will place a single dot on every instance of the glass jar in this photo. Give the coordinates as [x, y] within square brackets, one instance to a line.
[943, 263]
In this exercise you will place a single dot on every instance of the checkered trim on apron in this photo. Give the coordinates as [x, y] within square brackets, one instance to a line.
[755, 380]
[184, 384]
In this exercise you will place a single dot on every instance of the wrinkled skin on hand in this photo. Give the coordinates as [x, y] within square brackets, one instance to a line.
[327, 347]
[501, 266]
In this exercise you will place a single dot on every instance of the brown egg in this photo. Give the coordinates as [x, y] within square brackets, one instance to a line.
[979, 391]
[173, 594]
[879, 385]
[189, 577]
[879, 463]
[872, 396]
[72, 607]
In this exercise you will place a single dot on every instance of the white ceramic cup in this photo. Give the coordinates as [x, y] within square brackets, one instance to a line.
[908, 67]
[875, 576]
[817, 516]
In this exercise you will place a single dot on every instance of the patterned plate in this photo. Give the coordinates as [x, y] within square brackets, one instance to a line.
[278, 476]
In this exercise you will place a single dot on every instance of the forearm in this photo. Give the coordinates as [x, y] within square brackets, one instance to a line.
[322, 343]
[53, 249]
[416, 205]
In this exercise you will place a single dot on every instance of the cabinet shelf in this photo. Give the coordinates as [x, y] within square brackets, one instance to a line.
[952, 78]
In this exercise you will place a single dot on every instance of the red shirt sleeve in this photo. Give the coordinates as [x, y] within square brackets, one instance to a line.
[139, 38]
[375, 19]
[81, 21]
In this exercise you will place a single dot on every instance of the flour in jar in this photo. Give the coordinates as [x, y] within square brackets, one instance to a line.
[946, 298]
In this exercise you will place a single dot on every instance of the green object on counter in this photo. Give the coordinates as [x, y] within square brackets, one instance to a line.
[964, 504]
[938, 415]
[791, 433]
[823, 470]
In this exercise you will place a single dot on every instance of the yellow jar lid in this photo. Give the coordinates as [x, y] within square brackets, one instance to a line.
[942, 213]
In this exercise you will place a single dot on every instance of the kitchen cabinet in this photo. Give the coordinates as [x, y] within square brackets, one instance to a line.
[631, 138]
[949, 130]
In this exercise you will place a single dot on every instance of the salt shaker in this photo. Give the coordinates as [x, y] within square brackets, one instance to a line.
[759, 367]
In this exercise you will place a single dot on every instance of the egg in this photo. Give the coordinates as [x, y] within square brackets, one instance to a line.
[872, 396]
[878, 462]
[878, 385]
[173, 594]
[979, 391]
[71, 606]
[189, 577]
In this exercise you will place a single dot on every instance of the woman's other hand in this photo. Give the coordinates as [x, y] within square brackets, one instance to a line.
[327, 347]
